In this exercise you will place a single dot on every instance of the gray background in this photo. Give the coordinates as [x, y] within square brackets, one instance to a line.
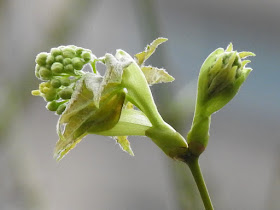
[241, 163]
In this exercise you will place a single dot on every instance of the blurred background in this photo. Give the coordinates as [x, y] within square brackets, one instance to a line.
[242, 162]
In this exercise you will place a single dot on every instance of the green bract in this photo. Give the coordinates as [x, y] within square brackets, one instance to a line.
[220, 78]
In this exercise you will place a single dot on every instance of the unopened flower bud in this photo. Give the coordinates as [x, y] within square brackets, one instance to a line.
[51, 94]
[65, 81]
[68, 52]
[86, 56]
[56, 83]
[220, 78]
[60, 109]
[56, 51]
[66, 93]
[77, 63]
[41, 58]
[35, 92]
[59, 58]
[50, 59]
[57, 68]
[45, 73]
[69, 69]
[67, 61]
[52, 106]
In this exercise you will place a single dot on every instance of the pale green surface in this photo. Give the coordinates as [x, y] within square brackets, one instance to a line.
[150, 49]
[156, 75]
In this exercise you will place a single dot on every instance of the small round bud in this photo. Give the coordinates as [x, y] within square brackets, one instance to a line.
[66, 93]
[68, 52]
[56, 83]
[79, 51]
[59, 58]
[69, 68]
[65, 81]
[55, 52]
[67, 61]
[50, 59]
[60, 109]
[45, 73]
[45, 90]
[41, 58]
[35, 92]
[44, 85]
[77, 63]
[51, 94]
[86, 56]
[57, 68]
[52, 106]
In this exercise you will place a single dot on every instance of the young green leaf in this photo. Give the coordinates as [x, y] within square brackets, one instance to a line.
[124, 144]
[82, 114]
[155, 75]
[150, 49]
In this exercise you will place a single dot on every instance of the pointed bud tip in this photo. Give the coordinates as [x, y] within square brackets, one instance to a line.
[229, 47]
[246, 54]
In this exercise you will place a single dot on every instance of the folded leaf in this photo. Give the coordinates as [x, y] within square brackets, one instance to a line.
[150, 49]
[155, 75]
[82, 114]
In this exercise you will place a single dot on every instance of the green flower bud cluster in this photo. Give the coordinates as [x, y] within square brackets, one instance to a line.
[60, 69]
[64, 60]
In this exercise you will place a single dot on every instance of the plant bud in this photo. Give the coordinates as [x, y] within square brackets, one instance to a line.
[86, 56]
[50, 59]
[55, 52]
[60, 109]
[51, 94]
[221, 75]
[77, 63]
[56, 83]
[41, 58]
[59, 58]
[67, 61]
[69, 68]
[44, 85]
[220, 78]
[45, 73]
[65, 81]
[68, 52]
[52, 106]
[66, 93]
[57, 68]
[35, 92]
[79, 51]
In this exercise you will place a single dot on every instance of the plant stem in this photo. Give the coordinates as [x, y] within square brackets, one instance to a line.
[198, 177]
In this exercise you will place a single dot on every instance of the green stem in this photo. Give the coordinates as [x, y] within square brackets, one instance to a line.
[198, 177]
